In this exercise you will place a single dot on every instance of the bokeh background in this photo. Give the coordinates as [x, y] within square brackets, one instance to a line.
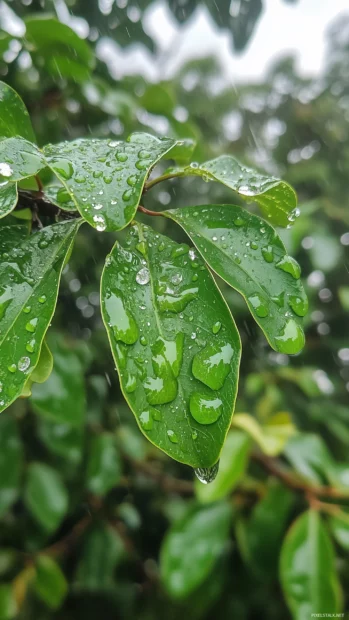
[94, 521]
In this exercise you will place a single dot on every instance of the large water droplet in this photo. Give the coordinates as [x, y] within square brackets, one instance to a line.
[216, 327]
[207, 474]
[143, 276]
[298, 304]
[268, 254]
[172, 436]
[174, 301]
[259, 305]
[100, 222]
[160, 390]
[31, 325]
[289, 265]
[23, 364]
[291, 340]
[146, 420]
[131, 383]
[212, 365]
[5, 170]
[205, 409]
[121, 320]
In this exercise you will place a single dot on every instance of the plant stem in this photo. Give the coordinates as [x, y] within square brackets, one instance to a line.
[148, 212]
[39, 183]
[163, 177]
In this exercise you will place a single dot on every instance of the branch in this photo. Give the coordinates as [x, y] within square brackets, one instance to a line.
[38, 204]
[163, 177]
[148, 212]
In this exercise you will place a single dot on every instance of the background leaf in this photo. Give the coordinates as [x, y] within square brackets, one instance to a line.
[50, 585]
[174, 343]
[45, 496]
[103, 468]
[248, 254]
[14, 117]
[11, 462]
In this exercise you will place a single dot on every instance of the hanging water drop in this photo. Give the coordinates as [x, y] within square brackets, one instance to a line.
[207, 474]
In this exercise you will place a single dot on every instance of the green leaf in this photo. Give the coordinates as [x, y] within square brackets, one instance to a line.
[105, 178]
[339, 524]
[29, 280]
[63, 440]
[8, 606]
[62, 397]
[260, 536]
[41, 371]
[59, 196]
[309, 456]
[102, 551]
[11, 235]
[45, 496]
[103, 467]
[232, 465]
[11, 462]
[19, 159]
[14, 117]
[175, 344]
[248, 254]
[59, 48]
[192, 547]
[277, 199]
[271, 436]
[8, 197]
[307, 569]
[50, 584]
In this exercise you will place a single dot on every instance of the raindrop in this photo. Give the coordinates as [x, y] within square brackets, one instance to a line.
[100, 222]
[291, 340]
[216, 327]
[205, 409]
[5, 170]
[298, 304]
[42, 299]
[143, 276]
[289, 265]
[268, 254]
[24, 364]
[12, 368]
[176, 278]
[259, 305]
[30, 346]
[131, 383]
[172, 436]
[212, 364]
[31, 325]
[207, 474]
[239, 221]
[146, 420]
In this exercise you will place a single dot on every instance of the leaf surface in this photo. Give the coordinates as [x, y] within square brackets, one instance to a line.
[105, 178]
[14, 117]
[248, 254]
[8, 197]
[175, 344]
[50, 584]
[45, 496]
[29, 280]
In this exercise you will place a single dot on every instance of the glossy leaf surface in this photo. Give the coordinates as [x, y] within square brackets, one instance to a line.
[277, 199]
[307, 568]
[175, 345]
[45, 496]
[248, 254]
[105, 178]
[192, 547]
[8, 197]
[14, 117]
[232, 465]
[59, 196]
[29, 280]
[19, 159]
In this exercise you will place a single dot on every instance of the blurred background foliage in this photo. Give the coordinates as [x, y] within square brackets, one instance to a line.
[95, 521]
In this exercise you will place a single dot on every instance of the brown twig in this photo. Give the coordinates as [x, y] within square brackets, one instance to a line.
[148, 212]
[38, 203]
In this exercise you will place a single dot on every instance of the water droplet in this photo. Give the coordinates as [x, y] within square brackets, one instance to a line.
[212, 364]
[176, 278]
[27, 309]
[121, 320]
[254, 245]
[268, 254]
[194, 165]
[131, 383]
[5, 170]
[239, 221]
[298, 304]
[192, 254]
[291, 340]
[12, 368]
[259, 305]
[42, 299]
[31, 325]
[132, 180]
[63, 167]
[143, 276]
[172, 436]
[207, 474]
[216, 327]
[289, 265]
[279, 300]
[30, 346]
[143, 341]
[121, 156]
[161, 247]
[205, 409]
[146, 420]
[43, 243]
[100, 222]
[24, 364]
[127, 194]
[179, 250]
[141, 247]
[98, 206]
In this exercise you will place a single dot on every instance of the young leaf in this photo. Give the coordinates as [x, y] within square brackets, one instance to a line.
[248, 254]
[175, 344]
[232, 467]
[192, 547]
[14, 117]
[45, 496]
[50, 584]
[105, 178]
[277, 199]
[29, 280]
[307, 568]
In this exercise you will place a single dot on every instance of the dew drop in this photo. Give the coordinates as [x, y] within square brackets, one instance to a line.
[291, 340]
[121, 157]
[216, 327]
[239, 221]
[31, 325]
[42, 299]
[268, 254]
[205, 409]
[127, 194]
[12, 368]
[298, 304]
[30, 346]
[24, 364]
[289, 265]
[143, 276]
[172, 436]
[27, 309]
[207, 474]
[259, 305]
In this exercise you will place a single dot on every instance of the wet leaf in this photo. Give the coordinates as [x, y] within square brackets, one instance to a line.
[11, 462]
[29, 280]
[19, 159]
[14, 117]
[175, 345]
[8, 197]
[45, 496]
[232, 465]
[59, 196]
[307, 568]
[105, 178]
[103, 467]
[50, 584]
[277, 199]
[41, 371]
[248, 254]
[192, 547]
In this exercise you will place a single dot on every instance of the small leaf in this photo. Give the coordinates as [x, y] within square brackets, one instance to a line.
[232, 465]
[105, 178]
[61, 398]
[14, 117]
[50, 584]
[192, 547]
[175, 345]
[248, 254]
[307, 569]
[8, 197]
[45, 496]
[103, 467]
[272, 436]
[277, 199]
[11, 462]
[41, 371]
[102, 551]
[19, 159]
[29, 280]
